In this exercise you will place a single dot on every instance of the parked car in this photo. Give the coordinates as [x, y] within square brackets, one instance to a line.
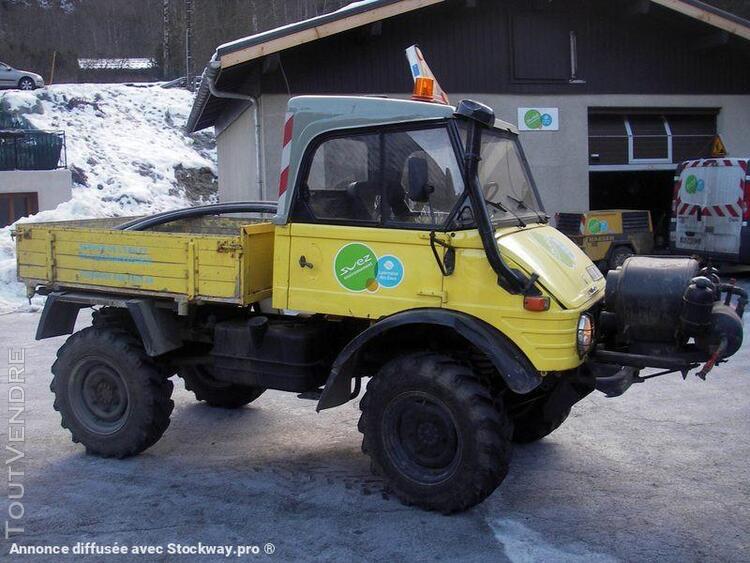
[22, 79]
[710, 210]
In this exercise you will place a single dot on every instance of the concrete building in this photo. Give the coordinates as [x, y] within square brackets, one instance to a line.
[627, 88]
[33, 173]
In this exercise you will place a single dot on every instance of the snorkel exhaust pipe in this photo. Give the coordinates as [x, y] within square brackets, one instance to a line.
[478, 116]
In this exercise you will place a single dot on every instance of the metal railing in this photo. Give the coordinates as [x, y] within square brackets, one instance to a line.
[23, 149]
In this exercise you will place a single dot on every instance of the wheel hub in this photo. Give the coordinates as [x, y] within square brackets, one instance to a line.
[421, 437]
[99, 396]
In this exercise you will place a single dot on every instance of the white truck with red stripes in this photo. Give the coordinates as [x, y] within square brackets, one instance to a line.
[710, 209]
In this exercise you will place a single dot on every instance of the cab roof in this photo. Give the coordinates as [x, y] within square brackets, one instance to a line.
[325, 113]
[310, 116]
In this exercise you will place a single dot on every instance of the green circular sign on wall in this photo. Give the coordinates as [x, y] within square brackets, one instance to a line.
[356, 267]
[533, 119]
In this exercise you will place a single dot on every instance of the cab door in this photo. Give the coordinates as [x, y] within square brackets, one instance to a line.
[359, 245]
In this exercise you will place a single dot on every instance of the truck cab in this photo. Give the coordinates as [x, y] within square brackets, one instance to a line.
[376, 219]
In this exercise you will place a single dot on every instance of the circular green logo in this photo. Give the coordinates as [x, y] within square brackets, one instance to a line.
[356, 267]
[594, 226]
[533, 119]
[691, 184]
[557, 249]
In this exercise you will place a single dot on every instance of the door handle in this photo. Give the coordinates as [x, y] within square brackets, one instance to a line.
[303, 263]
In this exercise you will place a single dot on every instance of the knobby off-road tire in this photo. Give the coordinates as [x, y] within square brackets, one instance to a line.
[433, 431]
[217, 393]
[111, 396]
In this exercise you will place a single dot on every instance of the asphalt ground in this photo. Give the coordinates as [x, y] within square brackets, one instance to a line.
[660, 473]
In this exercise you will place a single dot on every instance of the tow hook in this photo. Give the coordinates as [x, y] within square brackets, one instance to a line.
[715, 357]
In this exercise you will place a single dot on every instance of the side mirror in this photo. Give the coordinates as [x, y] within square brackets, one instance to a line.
[419, 189]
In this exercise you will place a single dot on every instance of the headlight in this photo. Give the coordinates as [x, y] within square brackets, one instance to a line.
[585, 335]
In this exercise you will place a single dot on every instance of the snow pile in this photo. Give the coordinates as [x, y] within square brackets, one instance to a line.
[124, 145]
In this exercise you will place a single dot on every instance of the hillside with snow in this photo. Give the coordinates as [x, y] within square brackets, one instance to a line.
[128, 153]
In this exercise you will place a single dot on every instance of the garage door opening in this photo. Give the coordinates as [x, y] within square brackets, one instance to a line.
[651, 190]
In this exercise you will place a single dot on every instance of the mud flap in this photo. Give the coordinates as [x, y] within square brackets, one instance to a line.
[572, 387]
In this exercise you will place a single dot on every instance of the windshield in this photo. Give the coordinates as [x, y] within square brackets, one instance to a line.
[506, 185]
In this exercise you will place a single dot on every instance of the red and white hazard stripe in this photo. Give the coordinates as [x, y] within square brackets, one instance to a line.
[286, 150]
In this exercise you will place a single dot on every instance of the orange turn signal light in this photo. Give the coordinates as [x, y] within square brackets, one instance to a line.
[424, 89]
[536, 303]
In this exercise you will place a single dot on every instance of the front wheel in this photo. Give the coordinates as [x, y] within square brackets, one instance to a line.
[202, 383]
[433, 431]
[26, 83]
[111, 396]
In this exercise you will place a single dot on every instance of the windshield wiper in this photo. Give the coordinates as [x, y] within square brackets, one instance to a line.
[504, 209]
[522, 205]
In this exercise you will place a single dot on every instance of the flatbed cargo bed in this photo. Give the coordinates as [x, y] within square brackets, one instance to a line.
[205, 259]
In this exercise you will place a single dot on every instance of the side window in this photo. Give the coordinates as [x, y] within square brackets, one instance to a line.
[349, 180]
[342, 183]
[435, 157]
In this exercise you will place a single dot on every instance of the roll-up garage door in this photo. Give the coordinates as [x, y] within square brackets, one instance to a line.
[657, 139]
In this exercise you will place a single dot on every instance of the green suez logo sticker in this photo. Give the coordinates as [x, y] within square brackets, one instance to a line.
[357, 268]
[693, 184]
[534, 119]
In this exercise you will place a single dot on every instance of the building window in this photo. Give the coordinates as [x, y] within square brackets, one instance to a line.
[543, 48]
[650, 138]
[364, 179]
[15, 206]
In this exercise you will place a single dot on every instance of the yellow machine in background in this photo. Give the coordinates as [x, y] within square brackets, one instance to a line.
[609, 236]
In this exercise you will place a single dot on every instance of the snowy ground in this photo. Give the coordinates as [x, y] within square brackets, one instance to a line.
[124, 142]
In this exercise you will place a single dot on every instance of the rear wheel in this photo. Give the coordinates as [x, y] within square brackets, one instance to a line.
[26, 83]
[433, 431]
[201, 382]
[111, 396]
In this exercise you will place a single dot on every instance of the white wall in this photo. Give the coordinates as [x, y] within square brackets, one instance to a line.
[52, 187]
[559, 159]
[236, 150]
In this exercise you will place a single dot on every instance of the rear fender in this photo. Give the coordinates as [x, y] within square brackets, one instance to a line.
[156, 326]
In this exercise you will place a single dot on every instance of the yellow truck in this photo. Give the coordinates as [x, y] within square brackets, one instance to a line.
[408, 248]
[609, 236]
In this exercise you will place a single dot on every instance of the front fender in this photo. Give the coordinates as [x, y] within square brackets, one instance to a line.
[512, 365]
